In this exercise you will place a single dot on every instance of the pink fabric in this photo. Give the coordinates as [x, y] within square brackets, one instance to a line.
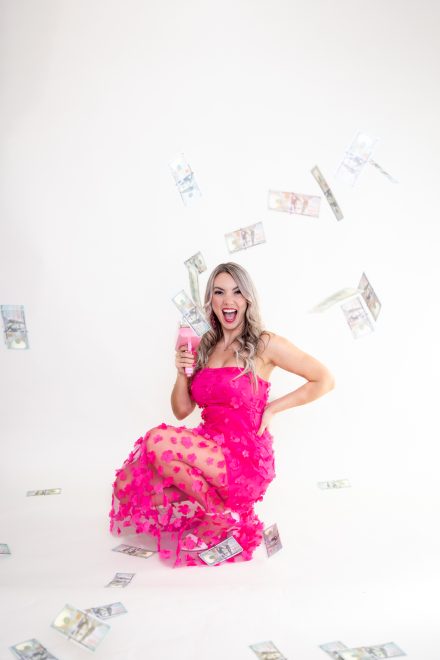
[202, 481]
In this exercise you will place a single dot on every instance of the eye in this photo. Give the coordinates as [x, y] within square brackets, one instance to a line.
[238, 291]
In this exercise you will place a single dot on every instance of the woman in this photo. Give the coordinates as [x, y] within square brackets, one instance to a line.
[201, 484]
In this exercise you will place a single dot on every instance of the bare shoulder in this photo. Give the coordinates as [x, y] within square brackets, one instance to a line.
[281, 352]
[270, 344]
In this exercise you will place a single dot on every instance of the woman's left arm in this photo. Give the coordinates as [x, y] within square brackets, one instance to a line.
[282, 353]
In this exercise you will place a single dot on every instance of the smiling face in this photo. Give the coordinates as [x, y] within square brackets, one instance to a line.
[228, 303]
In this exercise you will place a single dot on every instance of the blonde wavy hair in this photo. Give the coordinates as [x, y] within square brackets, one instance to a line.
[250, 339]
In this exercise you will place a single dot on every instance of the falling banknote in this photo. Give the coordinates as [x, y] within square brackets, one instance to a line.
[337, 483]
[382, 171]
[196, 265]
[389, 650]
[191, 313]
[107, 611]
[355, 158]
[31, 650]
[47, 491]
[80, 626]
[357, 318]
[121, 580]
[319, 177]
[245, 238]
[369, 296]
[14, 325]
[221, 552]
[184, 178]
[333, 649]
[272, 540]
[290, 202]
[342, 294]
[4, 549]
[267, 651]
[133, 551]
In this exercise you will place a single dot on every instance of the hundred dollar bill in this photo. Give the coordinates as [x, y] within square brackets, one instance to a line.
[356, 157]
[107, 611]
[184, 178]
[333, 649]
[357, 318]
[388, 650]
[47, 491]
[14, 324]
[196, 265]
[80, 626]
[191, 313]
[382, 171]
[267, 651]
[31, 650]
[369, 296]
[272, 540]
[316, 172]
[342, 294]
[290, 202]
[245, 238]
[337, 483]
[121, 580]
[221, 552]
[134, 551]
[4, 549]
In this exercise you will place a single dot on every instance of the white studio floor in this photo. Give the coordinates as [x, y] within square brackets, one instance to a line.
[336, 578]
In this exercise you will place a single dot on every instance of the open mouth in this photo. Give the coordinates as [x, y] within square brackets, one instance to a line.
[229, 315]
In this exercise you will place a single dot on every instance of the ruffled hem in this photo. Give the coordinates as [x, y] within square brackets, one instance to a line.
[171, 522]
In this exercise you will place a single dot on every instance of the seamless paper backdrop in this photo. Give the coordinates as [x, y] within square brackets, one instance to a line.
[97, 97]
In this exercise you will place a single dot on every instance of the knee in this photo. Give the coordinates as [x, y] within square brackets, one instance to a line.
[153, 437]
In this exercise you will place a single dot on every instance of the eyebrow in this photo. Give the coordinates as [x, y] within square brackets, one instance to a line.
[219, 287]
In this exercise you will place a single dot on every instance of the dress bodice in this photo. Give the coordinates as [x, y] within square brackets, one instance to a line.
[230, 403]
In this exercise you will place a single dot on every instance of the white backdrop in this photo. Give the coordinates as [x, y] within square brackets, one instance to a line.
[96, 98]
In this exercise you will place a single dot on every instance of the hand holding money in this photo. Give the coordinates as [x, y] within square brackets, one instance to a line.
[184, 358]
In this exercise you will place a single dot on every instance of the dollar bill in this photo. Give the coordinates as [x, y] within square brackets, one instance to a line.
[14, 325]
[369, 296]
[337, 483]
[267, 651]
[245, 238]
[31, 650]
[192, 314]
[47, 491]
[107, 611]
[196, 265]
[290, 202]
[388, 650]
[342, 294]
[134, 551]
[221, 552]
[355, 158]
[4, 549]
[80, 626]
[357, 318]
[184, 178]
[272, 540]
[328, 194]
[382, 171]
[333, 649]
[121, 580]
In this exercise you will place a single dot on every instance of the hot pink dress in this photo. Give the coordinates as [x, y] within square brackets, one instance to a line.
[222, 459]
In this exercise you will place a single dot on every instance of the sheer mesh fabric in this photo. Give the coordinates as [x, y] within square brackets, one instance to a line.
[195, 487]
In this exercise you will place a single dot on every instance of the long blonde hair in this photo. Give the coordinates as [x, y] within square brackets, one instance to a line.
[250, 337]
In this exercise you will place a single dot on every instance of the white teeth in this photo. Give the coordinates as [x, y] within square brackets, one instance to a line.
[229, 310]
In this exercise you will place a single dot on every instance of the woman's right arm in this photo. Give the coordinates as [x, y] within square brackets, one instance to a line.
[181, 401]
